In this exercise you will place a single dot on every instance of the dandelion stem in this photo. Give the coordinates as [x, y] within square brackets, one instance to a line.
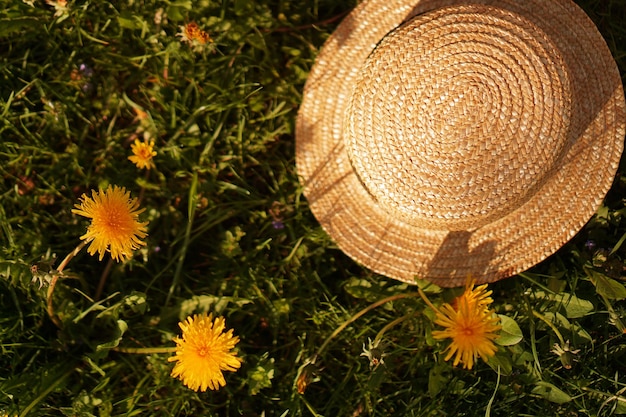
[427, 301]
[537, 283]
[109, 265]
[55, 278]
[613, 316]
[70, 255]
[550, 324]
[103, 278]
[191, 209]
[397, 321]
[304, 372]
[493, 396]
[357, 316]
[142, 190]
[144, 351]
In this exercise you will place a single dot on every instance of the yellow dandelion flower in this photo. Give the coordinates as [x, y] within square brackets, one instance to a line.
[114, 224]
[203, 352]
[143, 152]
[478, 295]
[470, 325]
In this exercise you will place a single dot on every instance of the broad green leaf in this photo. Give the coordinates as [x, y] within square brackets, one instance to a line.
[438, 378]
[119, 332]
[556, 284]
[558, 319]
[503, 361]
[361, 288]
[581, 333]
[208, 303]
[574, 307]
[551, 393]
[130, 21]
[428, 287]
[511, 334]
[607, 287]
[135, 302]
[364, 289]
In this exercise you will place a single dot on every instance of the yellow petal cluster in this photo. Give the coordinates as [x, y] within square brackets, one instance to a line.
[114, 227]
[203, 352]
[470, 325]
[143, 152]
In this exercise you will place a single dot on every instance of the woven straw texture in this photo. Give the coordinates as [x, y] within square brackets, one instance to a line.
[440, 139]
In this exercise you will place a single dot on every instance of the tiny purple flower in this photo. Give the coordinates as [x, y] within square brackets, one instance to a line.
[590, 245]
[86, 70]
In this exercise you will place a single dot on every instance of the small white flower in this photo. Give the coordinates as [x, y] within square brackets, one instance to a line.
[374, 353]
[565, 354]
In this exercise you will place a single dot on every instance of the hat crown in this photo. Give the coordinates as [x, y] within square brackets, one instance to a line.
[450, 131]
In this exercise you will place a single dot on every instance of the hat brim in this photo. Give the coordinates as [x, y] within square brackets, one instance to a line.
[505, 246]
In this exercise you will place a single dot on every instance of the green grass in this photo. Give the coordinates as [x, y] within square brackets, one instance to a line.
[223, 120]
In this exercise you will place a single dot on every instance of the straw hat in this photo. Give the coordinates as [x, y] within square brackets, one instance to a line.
[439, 138]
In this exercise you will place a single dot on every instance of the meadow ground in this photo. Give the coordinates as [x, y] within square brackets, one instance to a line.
[229, 232]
